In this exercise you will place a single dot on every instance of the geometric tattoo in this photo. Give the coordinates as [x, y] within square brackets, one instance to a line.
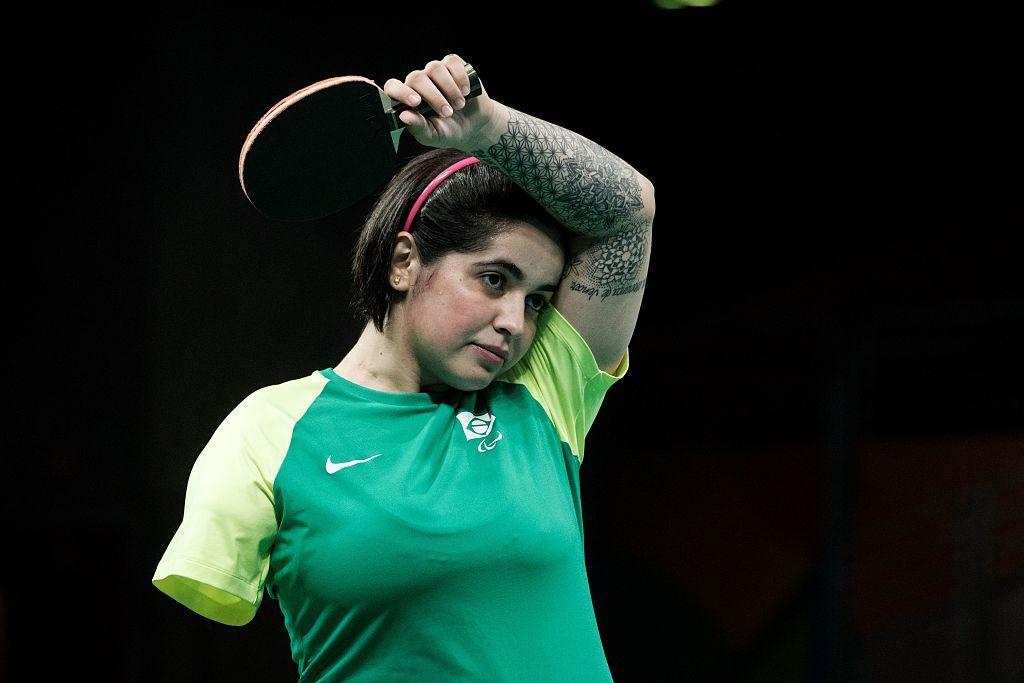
[611, 265]
[580, 183]
[589, 190]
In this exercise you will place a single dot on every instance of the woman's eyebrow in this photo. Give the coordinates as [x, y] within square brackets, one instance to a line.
[515, 271]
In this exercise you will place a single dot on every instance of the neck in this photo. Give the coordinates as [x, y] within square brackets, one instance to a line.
[382, 361]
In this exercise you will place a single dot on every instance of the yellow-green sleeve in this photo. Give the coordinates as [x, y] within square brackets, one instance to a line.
[218, 559]
[561, 372]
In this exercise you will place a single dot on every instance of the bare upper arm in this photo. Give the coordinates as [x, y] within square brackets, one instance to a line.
[603, 285]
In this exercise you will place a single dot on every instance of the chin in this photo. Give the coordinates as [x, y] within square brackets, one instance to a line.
[465, 384]
[472, 376]
[473, 383]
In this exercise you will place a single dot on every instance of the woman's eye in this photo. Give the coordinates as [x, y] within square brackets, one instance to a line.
[540, 301]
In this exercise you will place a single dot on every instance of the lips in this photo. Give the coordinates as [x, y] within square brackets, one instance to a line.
[496, 350]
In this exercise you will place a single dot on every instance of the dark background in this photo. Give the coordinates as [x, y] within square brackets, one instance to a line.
[814, 469]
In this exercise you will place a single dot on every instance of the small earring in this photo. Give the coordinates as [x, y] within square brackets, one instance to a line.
[397, 279]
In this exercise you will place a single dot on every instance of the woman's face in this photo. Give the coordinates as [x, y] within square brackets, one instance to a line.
[471, 300]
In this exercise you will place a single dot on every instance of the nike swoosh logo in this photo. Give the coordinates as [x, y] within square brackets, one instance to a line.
[333, 467]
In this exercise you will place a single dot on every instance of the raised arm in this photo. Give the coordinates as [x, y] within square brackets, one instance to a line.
[607, 203]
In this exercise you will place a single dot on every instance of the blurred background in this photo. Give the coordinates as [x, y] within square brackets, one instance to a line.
[814, 469]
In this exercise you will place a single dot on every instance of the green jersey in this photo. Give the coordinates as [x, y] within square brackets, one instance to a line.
[428, 536]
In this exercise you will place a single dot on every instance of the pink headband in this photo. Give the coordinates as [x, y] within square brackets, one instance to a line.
[433, 184]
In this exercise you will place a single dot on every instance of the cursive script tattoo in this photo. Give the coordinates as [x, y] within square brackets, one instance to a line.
[610, 266]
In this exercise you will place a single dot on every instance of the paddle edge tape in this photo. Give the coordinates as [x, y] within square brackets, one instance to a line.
[278, 108]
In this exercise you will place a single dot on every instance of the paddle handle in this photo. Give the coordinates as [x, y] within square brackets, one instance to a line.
[427, 110]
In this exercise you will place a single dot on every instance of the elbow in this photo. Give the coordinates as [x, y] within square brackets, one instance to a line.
[647, 196]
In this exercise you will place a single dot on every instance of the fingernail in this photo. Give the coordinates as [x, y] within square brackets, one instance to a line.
[446, 110]
[414, 98]
[465, 90]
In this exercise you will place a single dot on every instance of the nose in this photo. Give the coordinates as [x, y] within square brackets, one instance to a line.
[511, 316]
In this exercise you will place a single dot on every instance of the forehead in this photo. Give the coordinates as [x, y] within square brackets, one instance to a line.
[535, 251]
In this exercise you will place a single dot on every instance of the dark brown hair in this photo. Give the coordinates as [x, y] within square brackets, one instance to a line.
[463, 214]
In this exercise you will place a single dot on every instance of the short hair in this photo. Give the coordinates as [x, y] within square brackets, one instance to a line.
[463, 214]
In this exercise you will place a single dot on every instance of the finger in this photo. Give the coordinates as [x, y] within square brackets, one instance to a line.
[422, 83]
[401, 92]
[442, 79]
[447, 81]
[411, 118]
[458, 68]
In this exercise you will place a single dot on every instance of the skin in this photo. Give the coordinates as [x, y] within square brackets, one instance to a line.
[426, 345]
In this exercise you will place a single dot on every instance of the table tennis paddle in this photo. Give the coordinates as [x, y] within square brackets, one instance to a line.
[325, 147]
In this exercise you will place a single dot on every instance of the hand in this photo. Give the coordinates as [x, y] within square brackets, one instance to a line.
[440, 84]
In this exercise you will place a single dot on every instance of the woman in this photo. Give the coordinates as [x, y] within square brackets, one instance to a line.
[415, 510]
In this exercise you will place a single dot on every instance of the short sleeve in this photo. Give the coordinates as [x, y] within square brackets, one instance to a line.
[218, 559]
[561, 372]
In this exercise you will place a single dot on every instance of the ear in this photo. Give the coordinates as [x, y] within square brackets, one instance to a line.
[404, 257]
